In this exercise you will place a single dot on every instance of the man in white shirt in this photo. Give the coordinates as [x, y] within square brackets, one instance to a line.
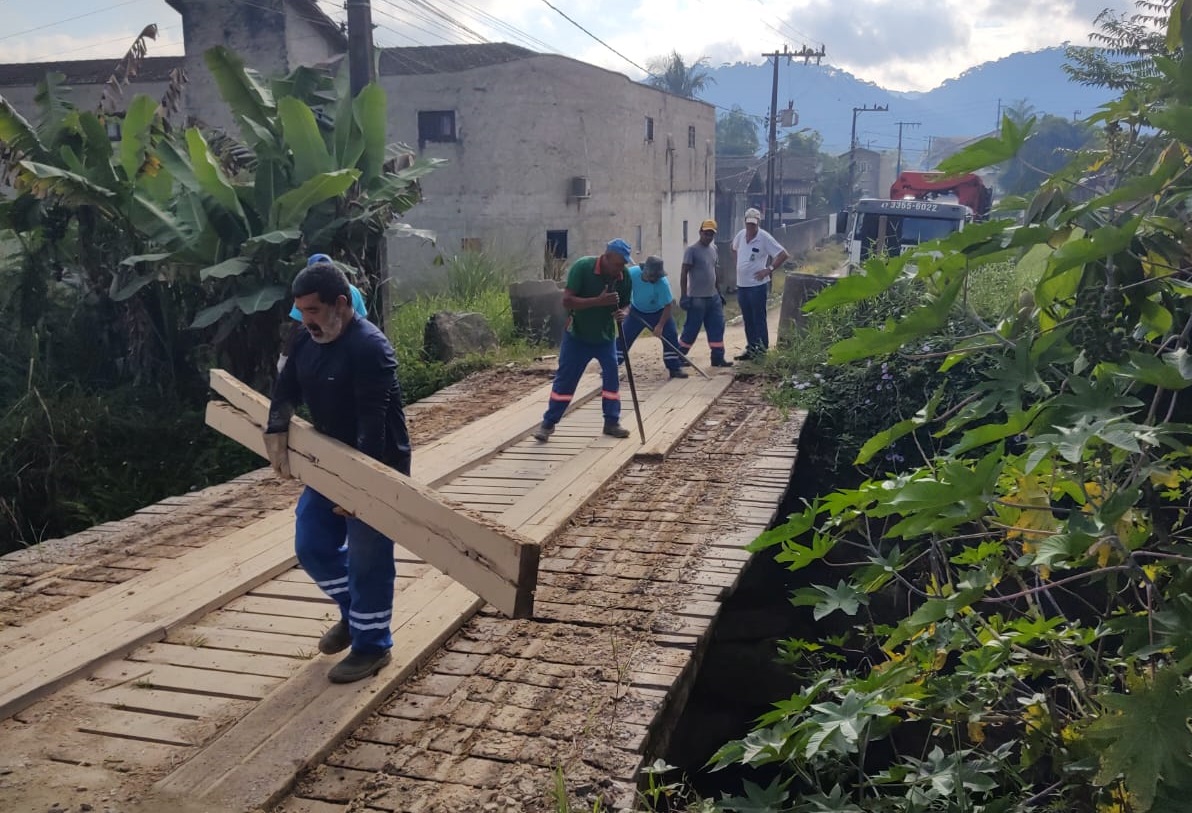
[758, 254]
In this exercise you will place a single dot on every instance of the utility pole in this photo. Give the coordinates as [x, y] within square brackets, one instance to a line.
[360, 44]
[998, 127]
[360, 74]
[852, 146]
[772, 145]
[901, 124]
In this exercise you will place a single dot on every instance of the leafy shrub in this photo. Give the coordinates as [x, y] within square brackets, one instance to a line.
[1004, 621]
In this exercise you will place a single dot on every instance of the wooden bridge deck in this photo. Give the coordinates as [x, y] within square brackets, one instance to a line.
[191, 674]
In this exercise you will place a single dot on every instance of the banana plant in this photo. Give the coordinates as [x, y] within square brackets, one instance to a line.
[321, 177]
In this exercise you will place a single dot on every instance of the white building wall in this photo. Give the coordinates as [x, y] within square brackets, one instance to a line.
[524, 129]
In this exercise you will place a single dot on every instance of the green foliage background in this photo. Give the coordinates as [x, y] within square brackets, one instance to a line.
[1001, 574]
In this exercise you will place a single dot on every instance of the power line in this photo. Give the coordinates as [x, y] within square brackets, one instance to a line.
[69, 19]
[593, 36]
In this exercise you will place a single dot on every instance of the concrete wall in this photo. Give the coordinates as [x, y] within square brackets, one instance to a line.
[269, 35]
[800, 238]
[524, 129]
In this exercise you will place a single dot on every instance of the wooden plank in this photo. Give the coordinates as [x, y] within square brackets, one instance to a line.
[145, 727]
[183, 679]
[289, 646]
[483, 439]
[557, 499]
[256, 760]
[114, 623]
[218, 660]
[493, 562]
[666, 436]
[168, 704]
[304, 628]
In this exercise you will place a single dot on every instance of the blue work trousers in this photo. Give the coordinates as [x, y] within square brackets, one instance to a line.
[636, 321]
[574, 357]
[706, 312]
[753, 313]
[350, 562]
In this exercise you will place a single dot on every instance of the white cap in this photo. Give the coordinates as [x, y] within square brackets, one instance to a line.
[753, 216]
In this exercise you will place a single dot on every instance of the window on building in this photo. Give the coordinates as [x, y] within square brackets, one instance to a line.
[649, 128]
[556, 244]
[436, 126]
[685, 241]
[113, 126]
[472, 244]
[691, 136]
[639, 238]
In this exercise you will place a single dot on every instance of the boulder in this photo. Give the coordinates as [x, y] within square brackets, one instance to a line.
[537, 307]
[451, 335]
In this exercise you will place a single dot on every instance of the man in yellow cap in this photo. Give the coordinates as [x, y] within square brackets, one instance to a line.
[700, 298]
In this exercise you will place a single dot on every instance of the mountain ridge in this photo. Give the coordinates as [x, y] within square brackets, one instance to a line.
[964, 106]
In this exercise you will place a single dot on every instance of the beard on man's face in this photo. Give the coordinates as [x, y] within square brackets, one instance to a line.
[327, 332]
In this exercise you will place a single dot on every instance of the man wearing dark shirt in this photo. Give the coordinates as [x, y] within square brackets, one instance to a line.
[597, 298]
[344, 370]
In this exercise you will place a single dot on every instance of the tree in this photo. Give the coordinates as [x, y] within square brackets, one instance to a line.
[1126, 49]
[1054, 141]
[672, 74]
[736, 134]
[803, 144]
[1006, 615]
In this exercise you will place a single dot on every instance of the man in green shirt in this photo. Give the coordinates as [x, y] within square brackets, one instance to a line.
[596, 298]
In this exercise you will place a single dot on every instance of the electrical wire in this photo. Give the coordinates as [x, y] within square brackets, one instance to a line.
[69, 19]
[593, 36]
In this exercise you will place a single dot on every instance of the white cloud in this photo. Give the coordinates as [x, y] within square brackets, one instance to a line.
[899, 44]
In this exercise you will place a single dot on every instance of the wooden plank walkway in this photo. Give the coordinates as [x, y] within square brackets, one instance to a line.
[237, 697]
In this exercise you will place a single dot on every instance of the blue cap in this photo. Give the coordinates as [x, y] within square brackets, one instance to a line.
[357, 300]
[622, 248]
[317, 258]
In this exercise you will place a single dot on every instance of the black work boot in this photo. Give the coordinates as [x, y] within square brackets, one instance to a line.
[721, 363]
[679, 373]
[359, 665]
[336, 639]
[544, 431]
[616, 430]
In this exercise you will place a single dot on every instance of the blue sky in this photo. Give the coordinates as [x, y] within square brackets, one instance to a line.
[899, 44]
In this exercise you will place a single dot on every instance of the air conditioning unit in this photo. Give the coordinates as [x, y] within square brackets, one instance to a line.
[581, 187]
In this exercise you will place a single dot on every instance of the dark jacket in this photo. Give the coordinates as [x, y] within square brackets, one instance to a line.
[350, 388]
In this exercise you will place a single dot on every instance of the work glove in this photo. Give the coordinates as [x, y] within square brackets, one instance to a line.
[685, 303]
[277, 447]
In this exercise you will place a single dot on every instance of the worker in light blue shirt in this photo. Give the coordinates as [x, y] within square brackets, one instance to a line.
[650, 308]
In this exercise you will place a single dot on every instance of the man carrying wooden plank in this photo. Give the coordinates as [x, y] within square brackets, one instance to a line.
[597, 298]
[344, 370]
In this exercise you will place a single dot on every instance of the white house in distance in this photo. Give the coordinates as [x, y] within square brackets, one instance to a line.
[548, 157]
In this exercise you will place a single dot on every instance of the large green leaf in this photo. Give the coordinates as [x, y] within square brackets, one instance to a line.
[18, 134]
[209, 316]
[71, 187]
[989, 151]
[869, 342]
[249, 98]
[290, 209]
[1144, 737]
[158, 225]
[210, 175]
[135, 135]
[368, 109]
[263, 299]
[304, 139]
[233, 267]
